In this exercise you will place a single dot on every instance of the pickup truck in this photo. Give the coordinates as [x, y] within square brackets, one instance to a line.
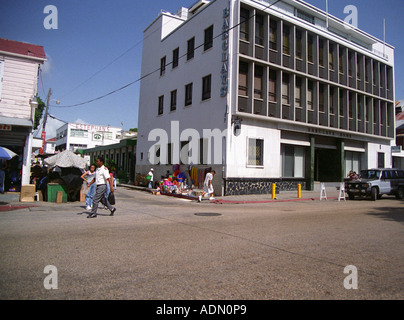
[376, 182]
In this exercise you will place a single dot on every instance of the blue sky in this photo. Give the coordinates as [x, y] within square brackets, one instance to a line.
[97, 49]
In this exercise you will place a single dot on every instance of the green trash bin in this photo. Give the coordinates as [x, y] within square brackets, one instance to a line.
[53, 189]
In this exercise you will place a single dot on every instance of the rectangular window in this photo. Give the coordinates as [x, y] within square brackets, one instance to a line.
[299, 44]
[375, 69]
[350, 63]
[258, 83]
[206, 87]
[255, 152]
[173, 100]
[208, 43]
[292, 161]
[321, 52]
[341, 60]
[321, 97]
[170, 153]
[188, 94]
[190, 48]
[243, 79]
[310, 48]
[350, 106]
[184, 152]
[310, 95]
[259, 30]
[331, 56]
[272, 86]
[285, 89]
[244, 24]
[286, 39]
[352, 162]
[298, 93]
[380, 160]
[203, 151]
[341, 103]
[304, 16]
[331, 100]
[273, 30]
[161, 105]
[162, 65]
[176, 54]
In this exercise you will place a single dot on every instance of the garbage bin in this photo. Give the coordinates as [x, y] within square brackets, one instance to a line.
[53, 189]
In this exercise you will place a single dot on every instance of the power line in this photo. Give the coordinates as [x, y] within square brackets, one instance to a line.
[110, 63]
[158, 69]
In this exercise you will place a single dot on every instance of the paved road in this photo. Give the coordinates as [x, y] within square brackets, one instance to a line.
[156, 247]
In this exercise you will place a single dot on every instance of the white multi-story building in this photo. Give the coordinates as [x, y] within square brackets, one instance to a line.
[282, 93]
[73, 136]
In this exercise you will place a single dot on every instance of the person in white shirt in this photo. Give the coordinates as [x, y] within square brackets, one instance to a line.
[102, 177]
[88, 176]
[207, 186]
[150, 184]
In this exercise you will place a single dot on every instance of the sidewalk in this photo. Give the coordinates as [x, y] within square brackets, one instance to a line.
[331, 192]
[11, 200]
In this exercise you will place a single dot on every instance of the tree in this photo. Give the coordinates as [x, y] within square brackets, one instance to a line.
[133, 129]
[38, 112]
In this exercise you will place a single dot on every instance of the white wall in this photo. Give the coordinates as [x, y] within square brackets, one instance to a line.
[208, 114]
[238, 152]
[18, 87]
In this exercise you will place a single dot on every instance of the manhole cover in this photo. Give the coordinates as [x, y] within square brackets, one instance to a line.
[207, 214]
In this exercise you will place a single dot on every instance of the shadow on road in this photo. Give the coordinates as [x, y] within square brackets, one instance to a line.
[389, 213]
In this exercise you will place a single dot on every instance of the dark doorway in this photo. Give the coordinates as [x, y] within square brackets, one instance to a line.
[326, 165]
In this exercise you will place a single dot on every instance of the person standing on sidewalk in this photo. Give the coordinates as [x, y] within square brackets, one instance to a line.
[101, 179]
[150, 174]
[207, 186]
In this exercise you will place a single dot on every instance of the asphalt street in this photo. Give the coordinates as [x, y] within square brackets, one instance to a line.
[159, 247]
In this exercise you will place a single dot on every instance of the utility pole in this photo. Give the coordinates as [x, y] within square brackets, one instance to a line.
[43, 137]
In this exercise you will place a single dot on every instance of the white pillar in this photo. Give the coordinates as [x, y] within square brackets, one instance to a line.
[26, 162]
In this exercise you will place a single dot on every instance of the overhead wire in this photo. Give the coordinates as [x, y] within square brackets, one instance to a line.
[158, 69]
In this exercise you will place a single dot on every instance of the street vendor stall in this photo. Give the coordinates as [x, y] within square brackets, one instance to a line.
[67, 168]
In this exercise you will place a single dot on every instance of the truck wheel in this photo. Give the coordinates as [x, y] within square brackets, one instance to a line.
[400, 193]
[374, 194]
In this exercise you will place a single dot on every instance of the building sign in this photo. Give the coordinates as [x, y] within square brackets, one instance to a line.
[224, 72]
[5, 127]
[88, 127]
[395, 149]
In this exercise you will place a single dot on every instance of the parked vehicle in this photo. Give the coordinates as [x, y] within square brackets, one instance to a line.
[376, 182]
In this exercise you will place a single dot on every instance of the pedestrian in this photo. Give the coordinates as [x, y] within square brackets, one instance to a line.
[207, 186]
[88, 176]
[3, 166]
[150, 174]
[101, 179]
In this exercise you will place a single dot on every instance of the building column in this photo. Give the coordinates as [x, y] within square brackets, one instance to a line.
[310, 156]
[341, 162]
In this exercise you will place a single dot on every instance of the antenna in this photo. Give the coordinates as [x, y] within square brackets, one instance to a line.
[384, 37]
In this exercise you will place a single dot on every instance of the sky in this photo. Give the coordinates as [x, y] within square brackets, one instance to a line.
[97, 47]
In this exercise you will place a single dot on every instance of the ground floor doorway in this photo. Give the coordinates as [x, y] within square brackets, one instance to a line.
[327, 165]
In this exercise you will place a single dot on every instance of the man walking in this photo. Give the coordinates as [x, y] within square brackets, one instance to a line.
[102, 177]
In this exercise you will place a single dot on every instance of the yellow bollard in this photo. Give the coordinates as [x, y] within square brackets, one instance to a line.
[273, 191]
[299, 190]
